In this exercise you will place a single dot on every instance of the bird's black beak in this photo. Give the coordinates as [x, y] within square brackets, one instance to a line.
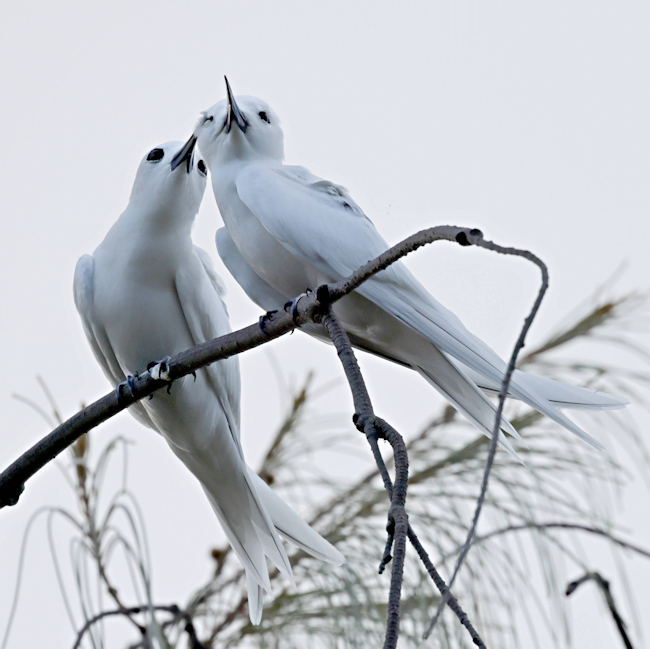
[234, 114]
[185, 154]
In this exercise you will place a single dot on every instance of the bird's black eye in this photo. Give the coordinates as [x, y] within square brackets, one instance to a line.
[201, 167]
[264, 116]
[155, 155]
[208, 119]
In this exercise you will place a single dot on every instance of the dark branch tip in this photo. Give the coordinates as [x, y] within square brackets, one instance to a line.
[384, 562]
[12, 495]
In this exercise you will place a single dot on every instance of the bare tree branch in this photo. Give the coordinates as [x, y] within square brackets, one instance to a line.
[373, 427]
[603, 584]
[128, 612]
[565, 526]
[12, 480]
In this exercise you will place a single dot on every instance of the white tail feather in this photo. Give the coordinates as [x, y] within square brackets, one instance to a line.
[470, 401]
[294, 528]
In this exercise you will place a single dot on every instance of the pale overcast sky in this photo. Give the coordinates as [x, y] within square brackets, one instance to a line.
[530, 123]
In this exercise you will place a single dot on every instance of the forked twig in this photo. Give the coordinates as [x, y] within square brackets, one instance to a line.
[374, 427]
[194, 642]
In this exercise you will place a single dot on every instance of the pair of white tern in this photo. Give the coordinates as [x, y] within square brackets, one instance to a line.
[148, 292]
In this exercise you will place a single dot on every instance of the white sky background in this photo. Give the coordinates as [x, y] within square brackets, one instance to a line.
[531, 124]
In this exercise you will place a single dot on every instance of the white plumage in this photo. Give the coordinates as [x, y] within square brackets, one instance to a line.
[287, 230]
[147, 292]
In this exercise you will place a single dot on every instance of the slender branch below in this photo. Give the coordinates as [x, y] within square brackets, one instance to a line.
[374, 427]
[128, 612]
[603, 584]
[565, 526]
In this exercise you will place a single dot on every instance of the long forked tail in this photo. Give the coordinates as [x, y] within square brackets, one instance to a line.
[251, 540]
[292, 527]
[561, 395]
[251, 533]
[295, 530]
[548, 396]
[465, 396]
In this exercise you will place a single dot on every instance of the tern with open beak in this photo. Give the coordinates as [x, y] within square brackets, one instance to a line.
[287, 230]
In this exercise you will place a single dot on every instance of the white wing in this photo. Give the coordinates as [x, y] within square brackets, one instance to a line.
[199, 292]
[256, 288]
[99, 342]
[320, 224]
[447, 378]
[215, 280]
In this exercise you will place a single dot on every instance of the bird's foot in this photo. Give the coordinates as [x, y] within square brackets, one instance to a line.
[129, 384]
[292, 305]
[265, 318]
[159, 371]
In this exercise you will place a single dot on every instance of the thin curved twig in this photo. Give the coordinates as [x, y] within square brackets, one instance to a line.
[603, 584]
[134, 610]
[565, 526]
[369, 424]
[478, 240]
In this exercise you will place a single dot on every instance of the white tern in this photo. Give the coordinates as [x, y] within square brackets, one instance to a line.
[146, 293]
[288, 230]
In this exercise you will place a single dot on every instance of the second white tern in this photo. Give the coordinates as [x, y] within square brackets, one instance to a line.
[287, 230]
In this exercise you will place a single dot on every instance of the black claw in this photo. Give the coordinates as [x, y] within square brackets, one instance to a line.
[294, 311]
[293, 304]
[266, 317]
[169, 387]
[194, 375]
